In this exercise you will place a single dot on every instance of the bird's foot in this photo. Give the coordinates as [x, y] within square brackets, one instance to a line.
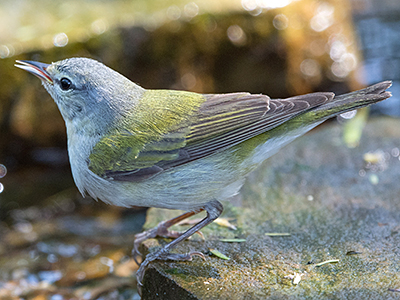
[163, 254]
[214, 210]
[160, 230]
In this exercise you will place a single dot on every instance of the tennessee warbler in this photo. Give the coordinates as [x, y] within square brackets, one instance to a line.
[174, 149]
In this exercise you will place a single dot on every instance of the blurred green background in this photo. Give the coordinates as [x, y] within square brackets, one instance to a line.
[279, 48]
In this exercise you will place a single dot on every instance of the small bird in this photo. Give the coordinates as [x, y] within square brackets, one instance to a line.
[129, 146]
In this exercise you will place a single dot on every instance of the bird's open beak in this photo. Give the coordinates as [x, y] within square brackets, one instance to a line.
[36, 68]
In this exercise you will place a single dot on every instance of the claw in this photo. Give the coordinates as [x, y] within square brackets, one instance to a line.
[201, 235]
[162, 255]
[160, 230]
[135, 255]
[198, 254]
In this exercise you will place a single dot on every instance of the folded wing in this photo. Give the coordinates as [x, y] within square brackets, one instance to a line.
[222, 121]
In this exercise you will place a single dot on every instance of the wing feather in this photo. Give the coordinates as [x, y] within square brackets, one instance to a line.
[222, 121]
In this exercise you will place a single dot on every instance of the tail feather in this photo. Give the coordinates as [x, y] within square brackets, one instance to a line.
[354, 100]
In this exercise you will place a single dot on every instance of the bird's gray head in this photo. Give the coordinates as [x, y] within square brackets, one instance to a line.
[85, 89]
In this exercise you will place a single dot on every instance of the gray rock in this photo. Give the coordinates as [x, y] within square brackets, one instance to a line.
[335, 206]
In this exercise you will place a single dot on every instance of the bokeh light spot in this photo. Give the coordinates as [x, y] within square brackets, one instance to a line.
[4, 51]
[188, 81]
[323, 18]
[60, 40]
[310, 67]
[249, 5]
[99, 26]
[280, 22]
[349, 115]
[173, 12]
[191, 10]
[3, 171]
[270, 4]
[395, 152]
[236, 35]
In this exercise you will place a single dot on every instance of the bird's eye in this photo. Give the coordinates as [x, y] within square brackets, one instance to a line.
[65, 84]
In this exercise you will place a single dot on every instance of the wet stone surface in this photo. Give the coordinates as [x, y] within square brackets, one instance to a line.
[340, 206]
[68, 248]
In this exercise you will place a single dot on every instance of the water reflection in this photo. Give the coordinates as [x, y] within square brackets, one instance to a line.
[108, 262]
[50, 276]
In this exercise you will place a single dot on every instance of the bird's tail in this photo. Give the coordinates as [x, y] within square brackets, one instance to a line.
[354, 100]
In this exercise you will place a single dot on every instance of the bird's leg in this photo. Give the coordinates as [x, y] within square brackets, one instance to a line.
[213, 209]
[160, 230]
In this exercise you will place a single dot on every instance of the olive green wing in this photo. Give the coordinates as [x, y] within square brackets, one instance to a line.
[153, 131]
[226, 120]
[125, 157]
[220, 122]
